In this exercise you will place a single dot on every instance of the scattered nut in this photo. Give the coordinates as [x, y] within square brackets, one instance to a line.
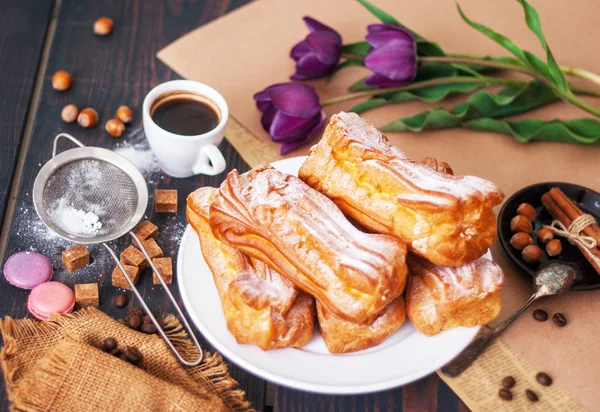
[115, 127]
[69, 113]
[532, 254]
[61, 80]
[508, 382]
[520, 223]
[545, 235]
[103, 26]
[554, 247]
[520, 240]
[531, 395]
[124, 114]
[88, 117]
[525, 209]
[559, 319]
[540, 315]
[505, 394]
[543, 378]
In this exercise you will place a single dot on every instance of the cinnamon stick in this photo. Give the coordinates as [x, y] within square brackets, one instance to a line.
[594, 226]
[562, 217]
[573, 211]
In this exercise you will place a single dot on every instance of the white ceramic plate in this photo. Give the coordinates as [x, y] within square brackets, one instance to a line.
[404, 357]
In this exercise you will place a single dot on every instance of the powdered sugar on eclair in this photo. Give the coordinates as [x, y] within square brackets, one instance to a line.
[376, 151]
[281, 220]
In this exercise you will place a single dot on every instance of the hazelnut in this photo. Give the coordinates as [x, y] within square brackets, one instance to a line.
[61, 80]
[520, 223]
[88, 117]
[69, 113]
[545, 235]
[554, 247]
[525, 209]
[520, 240]
[532, 254]
[124, 114]
[104, 26]
[115, 127]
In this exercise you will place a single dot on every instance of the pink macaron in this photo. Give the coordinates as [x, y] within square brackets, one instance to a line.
[49, 298]
[26, 270]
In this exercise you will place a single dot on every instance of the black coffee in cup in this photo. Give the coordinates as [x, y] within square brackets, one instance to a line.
[184, 113]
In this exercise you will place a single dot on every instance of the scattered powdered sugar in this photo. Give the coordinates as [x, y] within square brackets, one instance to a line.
[139, 154]
[76, 221]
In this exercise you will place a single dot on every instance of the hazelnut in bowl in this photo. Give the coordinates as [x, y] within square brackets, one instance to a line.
[530, 246]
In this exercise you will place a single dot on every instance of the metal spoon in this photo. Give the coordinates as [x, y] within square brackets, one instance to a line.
[551, 280]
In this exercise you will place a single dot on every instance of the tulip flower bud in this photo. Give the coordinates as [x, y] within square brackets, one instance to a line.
[393, 57]
[291, 113]
[319, 53]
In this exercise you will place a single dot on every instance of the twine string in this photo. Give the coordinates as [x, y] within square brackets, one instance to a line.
[574, 234]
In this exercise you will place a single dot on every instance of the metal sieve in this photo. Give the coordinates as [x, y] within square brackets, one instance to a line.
[106, 184]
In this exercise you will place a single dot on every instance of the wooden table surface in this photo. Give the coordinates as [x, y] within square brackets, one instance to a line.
[39, 37]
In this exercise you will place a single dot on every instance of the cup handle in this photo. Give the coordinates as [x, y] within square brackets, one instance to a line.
[209, 154]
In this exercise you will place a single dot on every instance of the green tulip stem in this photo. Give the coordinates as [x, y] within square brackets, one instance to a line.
[353, 56]
[488, 81]
[570, 97]
[571, 71]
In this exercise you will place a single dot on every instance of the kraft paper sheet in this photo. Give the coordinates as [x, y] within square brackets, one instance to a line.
[248, 49]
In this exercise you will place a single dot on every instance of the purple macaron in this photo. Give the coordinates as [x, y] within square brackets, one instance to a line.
[26, 270]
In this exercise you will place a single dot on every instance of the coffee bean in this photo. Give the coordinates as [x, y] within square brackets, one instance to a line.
[149, 328]
[540, 315]
[121, 300]
[508, 382]
[146, 319]
[544, 379]
[116, 352]
[505, 394]
[133, 354]
[109, 344]
[559, 319]
[124, 357]
[531, 395]
[135, 322]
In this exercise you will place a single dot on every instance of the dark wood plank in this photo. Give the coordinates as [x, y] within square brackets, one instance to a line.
[23, 25]
[109, 71]
[285, 399]
[427, 394]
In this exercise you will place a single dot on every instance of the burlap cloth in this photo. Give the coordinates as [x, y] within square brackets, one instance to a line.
[56, 366]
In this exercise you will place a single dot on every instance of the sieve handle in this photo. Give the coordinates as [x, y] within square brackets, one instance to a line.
[149, 313]
[67, 136]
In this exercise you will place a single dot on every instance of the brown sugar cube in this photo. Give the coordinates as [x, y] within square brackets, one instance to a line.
[165, 268]
[119, 281]
[86, 294]
[75, 258]
[152, 248]
[146, 230]
[133, 257]
[165, 201]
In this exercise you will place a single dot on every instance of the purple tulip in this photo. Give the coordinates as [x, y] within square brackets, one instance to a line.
[291, 113]
[318, 54]
[393, 57]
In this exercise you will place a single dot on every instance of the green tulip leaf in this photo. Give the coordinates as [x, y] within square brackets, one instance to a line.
[528, 58]
[533, 22]
[380, 14]
[360, 48]
[578, 131]
[429, 94]
[509, 101]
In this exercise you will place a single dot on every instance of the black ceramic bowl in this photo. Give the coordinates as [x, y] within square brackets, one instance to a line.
[587, 199]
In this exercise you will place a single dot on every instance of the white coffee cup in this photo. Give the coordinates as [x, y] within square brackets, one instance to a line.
[184, 156]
